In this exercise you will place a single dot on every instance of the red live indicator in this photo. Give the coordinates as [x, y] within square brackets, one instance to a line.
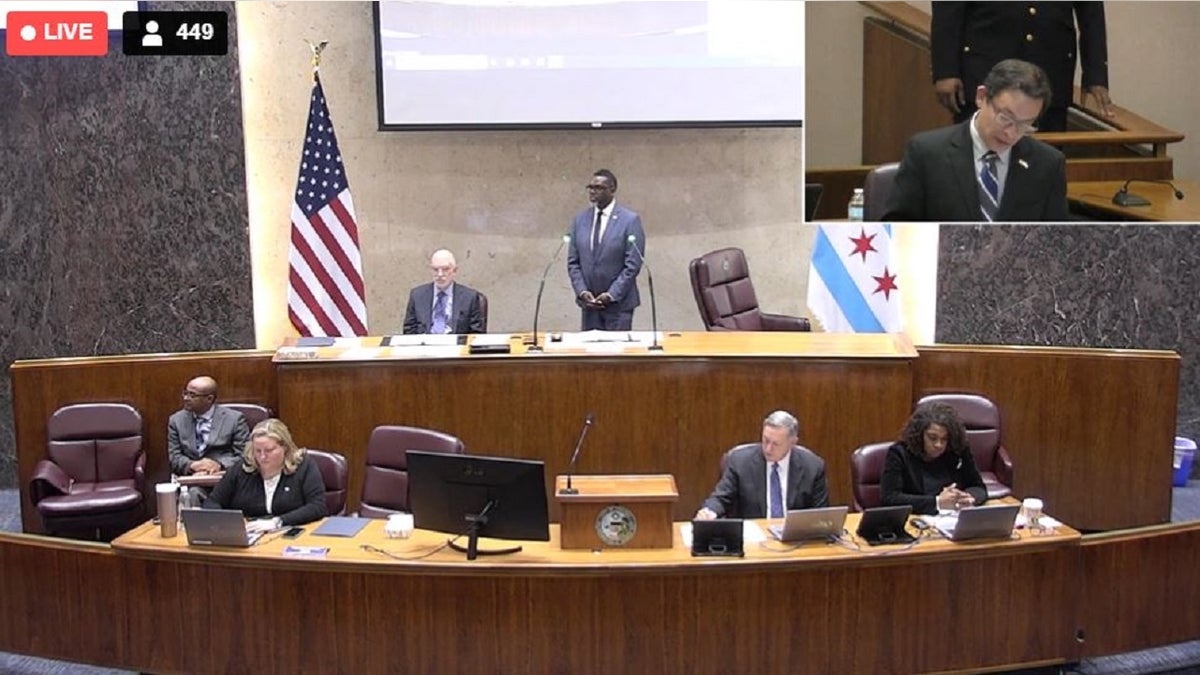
[57, 34]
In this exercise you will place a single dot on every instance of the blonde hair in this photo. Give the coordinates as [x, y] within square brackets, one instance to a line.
[276, 430]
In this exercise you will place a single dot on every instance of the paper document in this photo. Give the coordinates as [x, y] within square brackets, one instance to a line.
[491, 339]
[341, 526]
[421, 340]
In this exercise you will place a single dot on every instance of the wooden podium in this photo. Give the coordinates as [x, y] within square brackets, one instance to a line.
[617, 511]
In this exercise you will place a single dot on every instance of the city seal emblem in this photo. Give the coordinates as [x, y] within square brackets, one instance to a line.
[616, 525]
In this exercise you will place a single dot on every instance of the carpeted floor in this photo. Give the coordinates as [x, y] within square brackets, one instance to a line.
[1179, 659]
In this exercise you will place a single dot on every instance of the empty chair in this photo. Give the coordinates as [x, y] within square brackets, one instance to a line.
[876, 190]
[253, 412]
[336, 474]
[981, 417]
[866, 470]
[725, 295]
[385, 481]
[93, 477]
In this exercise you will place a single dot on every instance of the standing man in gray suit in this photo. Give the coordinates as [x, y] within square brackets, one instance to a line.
[444, 306]
[605, 257]
[768, 479]
[205, 438]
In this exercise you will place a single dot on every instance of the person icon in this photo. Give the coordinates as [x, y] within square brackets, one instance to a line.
[152, 38]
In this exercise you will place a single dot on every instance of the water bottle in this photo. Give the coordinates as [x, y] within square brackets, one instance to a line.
[854, 211]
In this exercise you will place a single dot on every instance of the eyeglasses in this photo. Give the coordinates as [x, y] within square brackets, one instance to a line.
[597, 188]
[188, 393]
[1008, 121]
[441, 270]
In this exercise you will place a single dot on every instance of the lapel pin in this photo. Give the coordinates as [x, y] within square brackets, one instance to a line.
[1023, 163]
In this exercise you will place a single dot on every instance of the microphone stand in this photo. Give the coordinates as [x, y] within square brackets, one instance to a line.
[537, 307]
[587, 424]
[654, 346]
[1124, 197]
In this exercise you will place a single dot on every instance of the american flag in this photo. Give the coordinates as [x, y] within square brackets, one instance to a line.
[325, 281]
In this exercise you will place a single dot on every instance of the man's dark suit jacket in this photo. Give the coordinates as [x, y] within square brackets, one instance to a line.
[299, 497]
[615, 267]
[742, 490]
[903, 479]
[968, 38]
[936, 181]
[468, 316]
[227, 438]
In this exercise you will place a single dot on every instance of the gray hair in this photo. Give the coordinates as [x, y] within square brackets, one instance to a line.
[782, 419]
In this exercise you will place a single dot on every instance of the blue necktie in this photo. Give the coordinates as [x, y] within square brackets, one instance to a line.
[989, 186]
[776, 493]
[201, 435]
[439, 314]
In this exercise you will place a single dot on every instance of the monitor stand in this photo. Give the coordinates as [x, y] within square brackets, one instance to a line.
[474, 522]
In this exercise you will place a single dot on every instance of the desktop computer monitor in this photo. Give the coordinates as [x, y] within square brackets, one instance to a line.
[495, 497]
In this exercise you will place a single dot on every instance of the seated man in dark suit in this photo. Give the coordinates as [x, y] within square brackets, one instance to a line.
[203, 437]
[987, 168]
[443, 306]
[768, 479]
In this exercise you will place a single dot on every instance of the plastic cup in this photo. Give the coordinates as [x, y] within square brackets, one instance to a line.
[399, 526]
[168, 508]
[1032, 508]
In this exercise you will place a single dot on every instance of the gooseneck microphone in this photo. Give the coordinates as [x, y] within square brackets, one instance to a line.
[654, 346]
[1124, 197]
[537, 307]
[587, 424]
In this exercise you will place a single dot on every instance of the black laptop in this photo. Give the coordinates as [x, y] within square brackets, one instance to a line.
[885, 525]
[720, 537]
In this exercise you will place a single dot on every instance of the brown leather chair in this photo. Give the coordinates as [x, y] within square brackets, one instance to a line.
[866, 470]
[385, 482]
[483, 309]
[876, 189]
[725, 295]
[93, 478]
[336, 474]
[981, 417]
[253, 412]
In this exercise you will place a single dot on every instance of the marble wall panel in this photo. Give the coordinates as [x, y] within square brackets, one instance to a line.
[123, 216]
[1119, 286]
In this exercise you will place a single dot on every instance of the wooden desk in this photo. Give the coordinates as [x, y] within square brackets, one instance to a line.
[815, 608]
[1096, 197]
[818, 609]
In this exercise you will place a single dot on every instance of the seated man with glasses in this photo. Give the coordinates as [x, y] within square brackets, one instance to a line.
[443, 306]
[987, 168]
[205, 438]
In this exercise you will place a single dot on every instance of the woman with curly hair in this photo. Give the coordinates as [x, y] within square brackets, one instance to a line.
[931, 467]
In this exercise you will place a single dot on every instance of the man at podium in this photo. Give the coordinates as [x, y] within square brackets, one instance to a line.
[768, 479]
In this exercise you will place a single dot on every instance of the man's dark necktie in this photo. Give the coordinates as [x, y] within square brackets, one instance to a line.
[989, 186]
[776, 493]
[439, 314]
[596, 231]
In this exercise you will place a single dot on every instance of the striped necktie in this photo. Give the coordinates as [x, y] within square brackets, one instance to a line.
[989, 186]
[776, 493]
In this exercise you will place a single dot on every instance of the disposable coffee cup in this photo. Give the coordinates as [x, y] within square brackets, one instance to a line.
[399, 526]
[168, 508]
[1033, 513]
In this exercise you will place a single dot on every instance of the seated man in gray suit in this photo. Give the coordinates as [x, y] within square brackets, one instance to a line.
[443, 306]
[605, 257]
[768, 479]
[205, 438]
[987, 168]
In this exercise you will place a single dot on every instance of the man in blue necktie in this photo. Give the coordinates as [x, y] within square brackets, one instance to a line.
[444, 306]
[605, 257]
[770, 478]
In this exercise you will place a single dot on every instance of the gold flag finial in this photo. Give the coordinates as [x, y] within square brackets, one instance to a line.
[316, 49]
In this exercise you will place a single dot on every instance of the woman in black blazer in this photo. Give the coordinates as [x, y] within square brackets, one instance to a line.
[276, 484]
[931, 467]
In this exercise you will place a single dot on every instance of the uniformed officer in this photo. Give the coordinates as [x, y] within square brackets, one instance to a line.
[968, 38]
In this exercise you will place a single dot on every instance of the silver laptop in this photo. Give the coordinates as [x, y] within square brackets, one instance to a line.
[805, 524]
[217, 527]
[981, 522]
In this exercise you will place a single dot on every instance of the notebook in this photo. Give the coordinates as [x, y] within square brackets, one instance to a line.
[981, 522]
[805, 524]
[720, 537]
[885, 525]
[217, 527]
